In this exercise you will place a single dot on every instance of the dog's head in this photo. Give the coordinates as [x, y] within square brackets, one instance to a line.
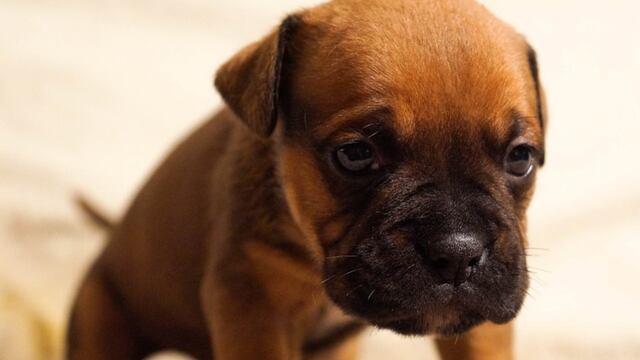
[408, 137]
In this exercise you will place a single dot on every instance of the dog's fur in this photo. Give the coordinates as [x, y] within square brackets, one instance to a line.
[249, 243]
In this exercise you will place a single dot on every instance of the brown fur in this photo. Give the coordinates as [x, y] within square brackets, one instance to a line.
[237, 245]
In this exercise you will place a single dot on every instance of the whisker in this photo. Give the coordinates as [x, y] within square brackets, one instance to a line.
[407, 269]
[540, 270]
[371, 294]
[537, 248]
[350, 272]
[343, 275]
[327, 279]
[529, 294]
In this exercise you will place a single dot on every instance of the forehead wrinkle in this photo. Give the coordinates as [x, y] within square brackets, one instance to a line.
[431, 88]
[435, 143]
[468, 64]
[474, 108]
[478, 91]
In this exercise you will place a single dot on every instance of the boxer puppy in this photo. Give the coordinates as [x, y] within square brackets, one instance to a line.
[373, 166]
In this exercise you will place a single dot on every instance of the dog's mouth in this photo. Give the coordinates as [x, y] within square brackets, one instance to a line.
[418, 274]
[427, 312]
[399, 293]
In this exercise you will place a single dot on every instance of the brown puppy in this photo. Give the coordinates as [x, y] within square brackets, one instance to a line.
[373, 166]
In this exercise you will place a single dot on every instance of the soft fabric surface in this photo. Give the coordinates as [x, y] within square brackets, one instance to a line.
[92, 93]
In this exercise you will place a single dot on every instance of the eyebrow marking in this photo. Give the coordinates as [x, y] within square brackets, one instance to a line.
[517, 127]
[522, 125]
[357, 117]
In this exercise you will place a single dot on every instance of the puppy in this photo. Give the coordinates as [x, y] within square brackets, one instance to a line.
[373, 166]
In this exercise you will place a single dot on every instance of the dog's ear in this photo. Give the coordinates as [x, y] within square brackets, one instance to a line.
[541, 103]
[250, 81]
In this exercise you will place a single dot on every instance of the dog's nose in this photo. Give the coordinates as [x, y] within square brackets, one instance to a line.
[455, 257]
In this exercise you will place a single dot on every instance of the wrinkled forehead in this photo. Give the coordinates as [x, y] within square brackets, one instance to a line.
[429, 66]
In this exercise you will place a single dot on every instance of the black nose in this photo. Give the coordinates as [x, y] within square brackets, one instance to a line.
[455, 257]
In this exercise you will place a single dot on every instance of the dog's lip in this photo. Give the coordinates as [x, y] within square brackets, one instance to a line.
[393, 322]
[420, 325]
[445, 297]
[386, 317]
[409, 326]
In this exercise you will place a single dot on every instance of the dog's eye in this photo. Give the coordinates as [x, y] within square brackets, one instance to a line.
[519, 161]
[357, 157]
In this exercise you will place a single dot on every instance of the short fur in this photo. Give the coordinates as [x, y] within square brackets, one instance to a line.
[248, 242]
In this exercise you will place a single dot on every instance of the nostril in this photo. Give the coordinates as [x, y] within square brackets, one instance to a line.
[478, 260]
[473, 262]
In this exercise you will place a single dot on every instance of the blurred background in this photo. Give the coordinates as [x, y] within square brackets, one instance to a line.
[93, 94]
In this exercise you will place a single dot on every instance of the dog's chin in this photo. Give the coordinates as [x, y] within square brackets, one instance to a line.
[445, 313]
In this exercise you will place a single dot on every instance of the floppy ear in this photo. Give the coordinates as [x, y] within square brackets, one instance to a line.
[250, 81]
[541, 103]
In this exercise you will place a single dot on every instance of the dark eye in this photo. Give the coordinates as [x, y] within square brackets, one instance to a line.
[357, 157]
[519, 161]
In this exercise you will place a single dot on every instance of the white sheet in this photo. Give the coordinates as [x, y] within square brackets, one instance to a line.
[93, 93]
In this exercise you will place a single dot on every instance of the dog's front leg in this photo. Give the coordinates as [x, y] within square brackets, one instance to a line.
[259, 304]
[242, 324]
[485, 342]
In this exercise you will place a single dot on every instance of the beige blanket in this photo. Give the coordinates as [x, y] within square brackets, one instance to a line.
[92, 93]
